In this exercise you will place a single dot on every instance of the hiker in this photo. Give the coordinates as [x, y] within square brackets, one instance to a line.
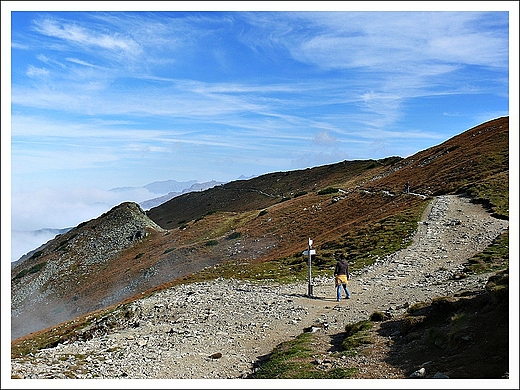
[407, 187]
[341, 275]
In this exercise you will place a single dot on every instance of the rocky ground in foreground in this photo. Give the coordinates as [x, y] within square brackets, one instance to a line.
[224, 328]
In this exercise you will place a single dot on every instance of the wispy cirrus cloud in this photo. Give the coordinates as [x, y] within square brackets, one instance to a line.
[393, 41]
[81, 36]
[411, 63]
[84, 63]
[33, 71]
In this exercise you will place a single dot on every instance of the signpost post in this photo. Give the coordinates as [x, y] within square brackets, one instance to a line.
[310, 252]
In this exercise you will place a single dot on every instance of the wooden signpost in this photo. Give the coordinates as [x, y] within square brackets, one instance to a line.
[309, 252]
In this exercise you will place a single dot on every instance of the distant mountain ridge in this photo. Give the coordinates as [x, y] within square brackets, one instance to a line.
[127, 251]
[161, 187]
[148, 204]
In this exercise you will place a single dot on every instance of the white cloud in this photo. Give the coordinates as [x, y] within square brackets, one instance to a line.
[20, 46]
[78, 35]
[84, 63]
[324, 138]
[50, 61]
[33, 71]
[33, 209]
[391, 41]
[23, 242]
[409, 58]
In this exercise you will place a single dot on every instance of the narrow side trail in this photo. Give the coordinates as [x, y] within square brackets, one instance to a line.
[220, 328]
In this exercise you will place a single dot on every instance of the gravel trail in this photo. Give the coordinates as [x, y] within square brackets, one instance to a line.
[221, 328]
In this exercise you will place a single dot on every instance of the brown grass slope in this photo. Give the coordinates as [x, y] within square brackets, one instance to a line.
[474, 155]
[260, 220]
[260, 192]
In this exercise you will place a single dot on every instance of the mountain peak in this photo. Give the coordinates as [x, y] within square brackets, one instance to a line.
[68, 263]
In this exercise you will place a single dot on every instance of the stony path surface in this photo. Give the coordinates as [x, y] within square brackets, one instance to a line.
[220, 328]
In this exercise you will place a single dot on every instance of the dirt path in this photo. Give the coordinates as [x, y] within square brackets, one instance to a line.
[220, 329]
[452, 230]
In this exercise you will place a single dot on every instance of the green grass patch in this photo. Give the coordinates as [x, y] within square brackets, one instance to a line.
[378, 239]
[234, 235]
[285, 270]
[498, 287]
[416, 307]
[294, 360]
[301, 193]
[378, 316]
[494, 258]
[494, 193]
[28, 271]
[410, 322]
[328, 190]
[356, 335]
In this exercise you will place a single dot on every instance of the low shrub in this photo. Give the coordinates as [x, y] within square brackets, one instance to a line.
[32, 270]
[357, 334]
[234, 235]
[410, 322]
[329, 190]
[378, 316]
[416, 307]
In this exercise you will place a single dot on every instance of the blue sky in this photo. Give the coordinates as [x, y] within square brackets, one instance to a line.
[109, 99]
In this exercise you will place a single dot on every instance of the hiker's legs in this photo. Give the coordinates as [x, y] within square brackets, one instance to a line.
[338, 290]
[346, 290]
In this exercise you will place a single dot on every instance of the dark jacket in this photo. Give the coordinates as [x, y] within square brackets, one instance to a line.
[341, 268]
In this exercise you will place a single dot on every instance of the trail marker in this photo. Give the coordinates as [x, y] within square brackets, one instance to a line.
[309, 252]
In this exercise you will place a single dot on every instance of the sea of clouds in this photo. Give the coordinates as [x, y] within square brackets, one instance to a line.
[37, 217]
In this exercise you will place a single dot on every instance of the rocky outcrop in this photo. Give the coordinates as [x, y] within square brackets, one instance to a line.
[47, 287]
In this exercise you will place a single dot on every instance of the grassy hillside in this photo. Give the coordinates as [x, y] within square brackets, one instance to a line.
[256, 229]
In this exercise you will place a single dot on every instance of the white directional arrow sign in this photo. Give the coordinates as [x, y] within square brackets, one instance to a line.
[306, 253]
